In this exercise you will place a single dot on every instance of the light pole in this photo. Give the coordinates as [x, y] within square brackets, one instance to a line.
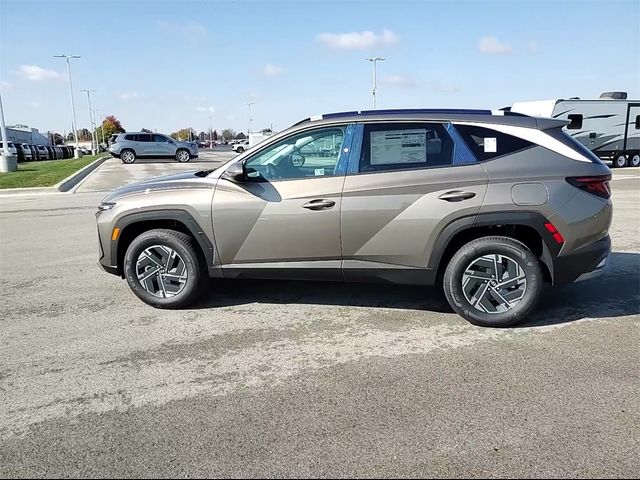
[93, 137]
[210, 131]
[250, 119]
[374, 60]
[8, 162]
[73, 107]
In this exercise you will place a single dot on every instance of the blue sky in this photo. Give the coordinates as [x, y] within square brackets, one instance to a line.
[167, 65]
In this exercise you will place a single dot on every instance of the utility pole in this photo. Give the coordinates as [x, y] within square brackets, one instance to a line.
[250, 118]
[374, 60]
[94, 150]
[73, 107]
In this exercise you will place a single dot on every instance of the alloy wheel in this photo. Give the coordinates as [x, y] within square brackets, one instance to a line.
[494, 283]
[161, 271]
[183, 156]
[128, 157]
[634, 161]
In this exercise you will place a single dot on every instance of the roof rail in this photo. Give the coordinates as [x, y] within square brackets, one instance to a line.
[405, 111]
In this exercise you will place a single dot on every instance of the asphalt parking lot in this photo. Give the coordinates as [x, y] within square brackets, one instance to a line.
[114, 173]
[300, 379]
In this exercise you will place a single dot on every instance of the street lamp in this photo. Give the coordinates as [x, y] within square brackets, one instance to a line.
[93, 137]
[210, 131]
[73, 107]
[95, 122]
[374, 60]
[250, 119]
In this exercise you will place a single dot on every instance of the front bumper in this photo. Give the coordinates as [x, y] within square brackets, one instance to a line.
[589, 262]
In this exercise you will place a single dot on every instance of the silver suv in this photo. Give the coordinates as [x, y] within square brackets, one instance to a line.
[488, 205]
[131, 145]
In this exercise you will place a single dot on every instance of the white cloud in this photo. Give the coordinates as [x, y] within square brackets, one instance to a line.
[37, 74]
[34, 104]
[405, 81]
[358, 40]
[271, 70]
[492, 46]
[208, 109]
[192, 31]
[126, 96]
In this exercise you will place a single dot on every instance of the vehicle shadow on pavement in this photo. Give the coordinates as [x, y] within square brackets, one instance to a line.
[616, 293]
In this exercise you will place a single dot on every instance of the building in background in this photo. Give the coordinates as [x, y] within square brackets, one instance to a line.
[24, 134]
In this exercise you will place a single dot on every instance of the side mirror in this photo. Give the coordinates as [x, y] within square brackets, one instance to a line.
[236, 172]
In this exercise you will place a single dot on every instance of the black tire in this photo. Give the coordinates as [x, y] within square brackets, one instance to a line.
[240, 150]
[515, 250]
[620, 160]
[183, 155]
[634, 159]
[128, 156]
[187, 248]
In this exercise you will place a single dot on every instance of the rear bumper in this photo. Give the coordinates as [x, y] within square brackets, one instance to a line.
[587, 263]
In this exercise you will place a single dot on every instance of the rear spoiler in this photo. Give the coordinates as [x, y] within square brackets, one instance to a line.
[549, 123]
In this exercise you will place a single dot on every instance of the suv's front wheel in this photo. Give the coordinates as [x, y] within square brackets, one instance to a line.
[163, 268]
[493, 281]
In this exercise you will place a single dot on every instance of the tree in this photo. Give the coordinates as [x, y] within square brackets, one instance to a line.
[57, 139]
[228, 134]
[265, 131]
[203, 136]
[183, 134]
[215, 135]
[110, 125]
[240, 136]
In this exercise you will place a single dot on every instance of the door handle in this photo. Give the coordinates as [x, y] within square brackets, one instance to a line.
[319, 204]
[456, 196]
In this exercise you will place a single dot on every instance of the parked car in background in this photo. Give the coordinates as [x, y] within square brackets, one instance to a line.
[34, 151]
[26, 151]
[240, 146]
[43, 152]
[131, 145]
[11, 147]
[488, 205]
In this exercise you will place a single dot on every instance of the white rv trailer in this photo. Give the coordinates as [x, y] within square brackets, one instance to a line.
[608, 126]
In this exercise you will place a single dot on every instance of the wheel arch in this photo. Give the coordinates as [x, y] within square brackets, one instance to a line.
[137, 223]
[527, 227]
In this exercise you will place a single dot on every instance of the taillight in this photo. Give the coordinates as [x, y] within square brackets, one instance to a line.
[598, 185]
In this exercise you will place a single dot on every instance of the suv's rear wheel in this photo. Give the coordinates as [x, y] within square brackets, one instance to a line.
[493, 281]
[163, 268]
[183, 156]
[127, 156]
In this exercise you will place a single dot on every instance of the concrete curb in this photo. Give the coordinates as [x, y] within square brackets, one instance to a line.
[73, 180]
[67, 185]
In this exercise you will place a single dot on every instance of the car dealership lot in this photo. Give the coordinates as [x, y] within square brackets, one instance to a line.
[303, 379]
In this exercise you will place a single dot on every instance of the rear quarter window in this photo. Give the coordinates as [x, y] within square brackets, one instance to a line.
[486, 143]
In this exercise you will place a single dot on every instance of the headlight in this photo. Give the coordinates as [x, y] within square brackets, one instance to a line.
[106, 206]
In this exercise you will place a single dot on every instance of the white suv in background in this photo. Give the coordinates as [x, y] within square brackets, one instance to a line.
[241, 146]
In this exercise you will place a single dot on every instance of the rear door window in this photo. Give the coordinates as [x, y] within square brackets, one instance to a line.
[144, 137]
[405, 146]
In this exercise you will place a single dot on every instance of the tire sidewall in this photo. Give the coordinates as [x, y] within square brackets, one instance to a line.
[473, 250]
[619, 165]
[634, 156]
[192, 263]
